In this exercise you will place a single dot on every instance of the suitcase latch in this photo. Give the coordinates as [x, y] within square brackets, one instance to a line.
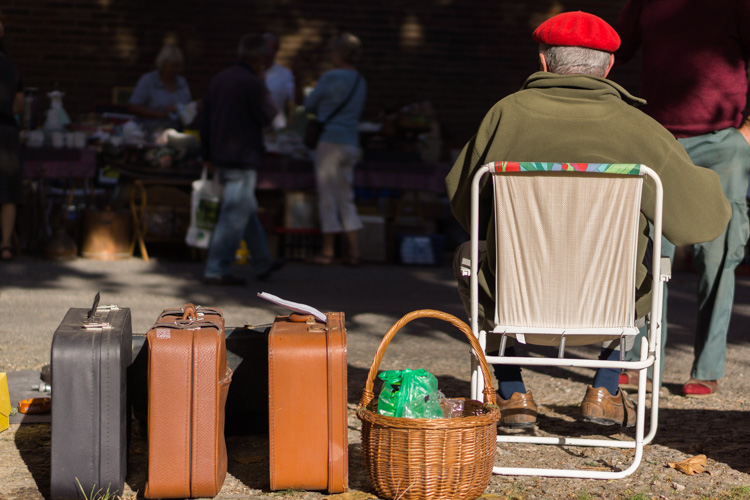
[96, 324]
[94, 320]
[107, 308]
[309, 320]
[316, 327]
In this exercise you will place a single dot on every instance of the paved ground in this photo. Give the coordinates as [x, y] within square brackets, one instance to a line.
[35, 294]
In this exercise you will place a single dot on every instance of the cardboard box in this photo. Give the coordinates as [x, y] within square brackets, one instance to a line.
[420, 249]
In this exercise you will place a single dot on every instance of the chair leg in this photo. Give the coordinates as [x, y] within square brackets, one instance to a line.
[656, 385]
[637, 444]
[476, 380]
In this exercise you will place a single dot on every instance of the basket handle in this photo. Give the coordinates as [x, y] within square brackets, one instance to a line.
[489, 391]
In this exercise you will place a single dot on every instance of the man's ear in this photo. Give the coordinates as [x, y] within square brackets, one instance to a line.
[609, 66]
[543, 63]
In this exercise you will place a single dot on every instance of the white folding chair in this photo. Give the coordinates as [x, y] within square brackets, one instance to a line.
[566, 237]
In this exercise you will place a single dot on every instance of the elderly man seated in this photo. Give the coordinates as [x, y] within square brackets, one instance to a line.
[570, 112]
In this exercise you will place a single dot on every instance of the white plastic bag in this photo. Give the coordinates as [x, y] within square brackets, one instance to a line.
[205, 204]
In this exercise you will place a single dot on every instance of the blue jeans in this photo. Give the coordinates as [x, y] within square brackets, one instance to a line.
[728, 154]
[238, 219]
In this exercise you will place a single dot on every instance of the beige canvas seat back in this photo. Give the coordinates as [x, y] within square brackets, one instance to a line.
[566, 255]
[565, 241]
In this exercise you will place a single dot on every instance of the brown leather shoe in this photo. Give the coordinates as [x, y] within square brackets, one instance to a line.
[600, 407]
[518, 412]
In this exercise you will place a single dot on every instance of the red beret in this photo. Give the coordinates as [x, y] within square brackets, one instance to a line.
[578, 29]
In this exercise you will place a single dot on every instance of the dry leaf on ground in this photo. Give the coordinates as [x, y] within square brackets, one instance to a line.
[691, 466]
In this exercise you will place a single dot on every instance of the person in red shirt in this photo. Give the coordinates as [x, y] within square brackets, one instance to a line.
[694, 79]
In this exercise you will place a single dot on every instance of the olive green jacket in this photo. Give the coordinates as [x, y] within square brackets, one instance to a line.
[586, 119]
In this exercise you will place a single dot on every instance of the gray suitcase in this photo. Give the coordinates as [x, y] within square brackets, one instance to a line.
[91, 351]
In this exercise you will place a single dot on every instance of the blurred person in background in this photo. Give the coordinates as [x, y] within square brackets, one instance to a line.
[338, 150]
[694, 79]
[158, 96]
[11, 189]
[236, 108]
[280, 82]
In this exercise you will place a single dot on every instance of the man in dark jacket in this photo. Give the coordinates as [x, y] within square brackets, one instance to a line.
[237, 106]
[570, 112]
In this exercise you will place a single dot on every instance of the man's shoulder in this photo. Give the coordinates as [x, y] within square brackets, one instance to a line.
[234, 69]
[236, 73]
[9, 71]
[503, 104]
[7, 63]
[279, 70]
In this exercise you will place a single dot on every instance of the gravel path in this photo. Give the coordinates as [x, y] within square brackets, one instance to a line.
[34, 296]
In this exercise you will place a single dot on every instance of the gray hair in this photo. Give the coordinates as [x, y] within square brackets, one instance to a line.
[169, 54]
[252, 47]
[348, 47]
[563, 60]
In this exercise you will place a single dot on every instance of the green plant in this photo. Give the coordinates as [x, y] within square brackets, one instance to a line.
[629, 495]
[97, 494]
[737, 493]
[584, 495]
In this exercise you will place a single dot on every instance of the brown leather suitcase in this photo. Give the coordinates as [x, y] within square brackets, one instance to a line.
[308, 434]
[188, 381]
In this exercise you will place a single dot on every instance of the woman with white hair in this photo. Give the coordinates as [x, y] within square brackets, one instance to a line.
[159, 93]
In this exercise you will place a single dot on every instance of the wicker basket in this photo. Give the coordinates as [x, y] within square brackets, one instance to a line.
[421, 458]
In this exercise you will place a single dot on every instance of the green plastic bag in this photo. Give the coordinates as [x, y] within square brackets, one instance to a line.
[410, 394]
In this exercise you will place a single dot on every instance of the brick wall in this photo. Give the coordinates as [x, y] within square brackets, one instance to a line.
[462, 55]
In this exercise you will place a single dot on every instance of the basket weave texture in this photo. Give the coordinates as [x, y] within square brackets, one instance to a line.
[421, 458]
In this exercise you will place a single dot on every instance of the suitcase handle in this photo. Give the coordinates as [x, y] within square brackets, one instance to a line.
[189, 312]
[301, 318]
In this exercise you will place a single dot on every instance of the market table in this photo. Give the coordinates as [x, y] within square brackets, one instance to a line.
[409, 178]
[41, 165]
[62, 163]
[288, 173]
[284, 173]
